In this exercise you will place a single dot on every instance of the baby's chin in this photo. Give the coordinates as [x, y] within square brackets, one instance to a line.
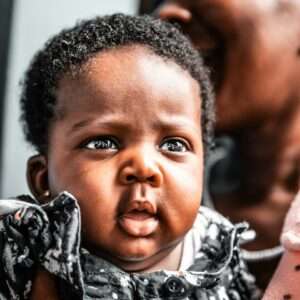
[131, 258]
[138, 261]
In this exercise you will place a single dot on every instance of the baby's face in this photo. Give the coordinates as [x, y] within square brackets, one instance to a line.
[128, 146]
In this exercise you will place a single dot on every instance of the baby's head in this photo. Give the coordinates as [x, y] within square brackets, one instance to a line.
[119, 109]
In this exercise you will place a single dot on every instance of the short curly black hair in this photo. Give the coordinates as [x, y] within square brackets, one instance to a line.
[73, 47]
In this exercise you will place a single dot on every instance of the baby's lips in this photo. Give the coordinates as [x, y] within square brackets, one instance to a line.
[290, 237]
[138, 224]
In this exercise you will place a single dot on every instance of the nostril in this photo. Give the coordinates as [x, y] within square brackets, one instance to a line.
[151, 179]
[130, 178]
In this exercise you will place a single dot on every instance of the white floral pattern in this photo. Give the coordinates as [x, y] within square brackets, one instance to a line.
[49, 235]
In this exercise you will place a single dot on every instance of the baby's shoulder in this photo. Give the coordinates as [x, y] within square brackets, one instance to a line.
[209, 222]
[218, 257]
[33, 236]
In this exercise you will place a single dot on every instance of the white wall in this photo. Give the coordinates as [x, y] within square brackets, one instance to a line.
[34, 21]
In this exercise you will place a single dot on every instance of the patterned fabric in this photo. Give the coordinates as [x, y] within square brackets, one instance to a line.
[49, 235]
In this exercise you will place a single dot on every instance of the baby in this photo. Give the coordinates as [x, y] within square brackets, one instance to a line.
[120, 111]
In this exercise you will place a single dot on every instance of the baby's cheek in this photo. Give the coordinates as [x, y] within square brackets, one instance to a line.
[182, 211]
[96, 223]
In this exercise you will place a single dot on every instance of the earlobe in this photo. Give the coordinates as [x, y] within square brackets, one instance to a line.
[174, 12]
[37, 177]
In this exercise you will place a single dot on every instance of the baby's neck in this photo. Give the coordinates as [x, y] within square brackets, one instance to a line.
[171, 262]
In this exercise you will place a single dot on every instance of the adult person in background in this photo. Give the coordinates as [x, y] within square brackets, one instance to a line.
[253, 48]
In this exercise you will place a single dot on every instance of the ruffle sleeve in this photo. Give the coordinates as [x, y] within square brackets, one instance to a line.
[32, 236]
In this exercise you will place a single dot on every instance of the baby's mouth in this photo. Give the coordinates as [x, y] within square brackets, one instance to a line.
[138, 223]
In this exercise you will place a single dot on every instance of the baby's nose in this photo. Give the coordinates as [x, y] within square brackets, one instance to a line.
[141, 168]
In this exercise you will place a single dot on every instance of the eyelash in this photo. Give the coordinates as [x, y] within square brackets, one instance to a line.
[173, 145]
[101, 143]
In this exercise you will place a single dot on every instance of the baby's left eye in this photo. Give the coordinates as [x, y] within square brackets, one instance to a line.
[101, 143]
[174, 145]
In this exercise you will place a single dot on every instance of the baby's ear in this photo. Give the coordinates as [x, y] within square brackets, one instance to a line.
[37, 177]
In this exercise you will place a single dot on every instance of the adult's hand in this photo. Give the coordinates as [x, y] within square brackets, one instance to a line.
[290, 237]
[285, 282]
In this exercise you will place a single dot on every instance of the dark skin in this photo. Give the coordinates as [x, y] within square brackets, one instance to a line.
[39, 290]
[129, 174]
[254, 50]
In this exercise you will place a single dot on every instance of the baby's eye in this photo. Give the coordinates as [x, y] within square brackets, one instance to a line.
[101, 143]
[174, 145]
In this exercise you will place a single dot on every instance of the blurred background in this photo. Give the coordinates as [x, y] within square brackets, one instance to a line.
[24, 27]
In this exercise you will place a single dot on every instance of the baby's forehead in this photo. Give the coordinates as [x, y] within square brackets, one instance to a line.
[125, 77]
[127, 68]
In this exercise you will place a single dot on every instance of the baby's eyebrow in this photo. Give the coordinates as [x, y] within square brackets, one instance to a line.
[165, 123]
[81, 124]
[117, 124]
[177, 121]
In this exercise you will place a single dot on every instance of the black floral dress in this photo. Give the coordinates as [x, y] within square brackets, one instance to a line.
[49, 236]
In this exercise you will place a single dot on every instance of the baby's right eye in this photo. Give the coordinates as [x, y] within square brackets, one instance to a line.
[101, 143]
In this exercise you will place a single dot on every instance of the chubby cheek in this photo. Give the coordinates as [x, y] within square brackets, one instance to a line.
[184, 198]
[93, 188]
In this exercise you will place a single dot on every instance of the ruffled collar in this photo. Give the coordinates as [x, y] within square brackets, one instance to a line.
[49, 235]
